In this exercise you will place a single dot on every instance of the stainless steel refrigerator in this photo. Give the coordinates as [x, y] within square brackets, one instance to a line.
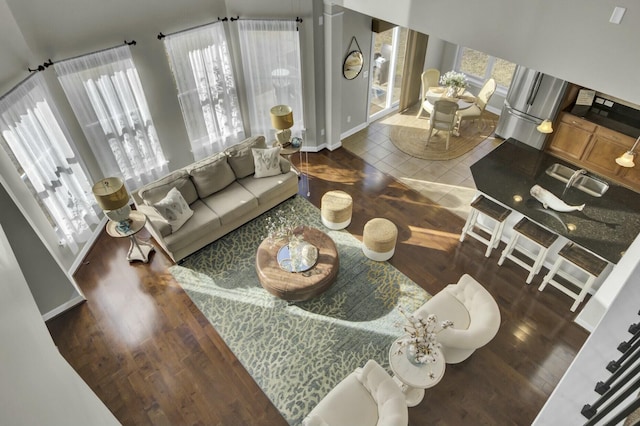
[532, 97]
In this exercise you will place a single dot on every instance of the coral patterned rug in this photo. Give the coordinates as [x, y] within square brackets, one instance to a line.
[298, 352]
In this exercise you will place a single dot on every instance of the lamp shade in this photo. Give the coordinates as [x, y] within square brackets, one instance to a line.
[110, 193]
[281, 117]
[626, 159]
[545, 127]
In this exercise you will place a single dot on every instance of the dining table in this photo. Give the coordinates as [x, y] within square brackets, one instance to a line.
[464, 101]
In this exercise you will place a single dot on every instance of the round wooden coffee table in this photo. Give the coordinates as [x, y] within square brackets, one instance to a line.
[298, 286]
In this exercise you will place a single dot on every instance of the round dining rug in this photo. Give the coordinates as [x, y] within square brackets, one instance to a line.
[409, 135]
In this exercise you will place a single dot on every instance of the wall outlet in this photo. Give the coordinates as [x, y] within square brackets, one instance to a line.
[348, 119]
[320, 20]
[365, 74]
[321, 132]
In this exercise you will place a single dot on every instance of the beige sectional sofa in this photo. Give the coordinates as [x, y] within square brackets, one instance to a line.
[223, 192]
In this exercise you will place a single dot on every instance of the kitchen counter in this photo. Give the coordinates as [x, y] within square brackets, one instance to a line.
[627, 124]
[606, 226]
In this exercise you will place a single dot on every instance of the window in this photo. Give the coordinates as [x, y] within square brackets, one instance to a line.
[272, 71]
[39, 145]
[479, 67]
[202, 69]
[106, 95]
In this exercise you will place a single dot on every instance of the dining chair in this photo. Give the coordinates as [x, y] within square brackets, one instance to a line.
[430, 78]
[443, 118]
[475, 111]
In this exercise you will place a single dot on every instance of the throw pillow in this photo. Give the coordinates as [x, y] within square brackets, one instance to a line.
[211, 174]
[266, 161]
[241, 158]
[174, 209]
[157, 190]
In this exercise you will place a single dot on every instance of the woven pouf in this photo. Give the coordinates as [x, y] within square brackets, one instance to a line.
[379, 239]
[335, 209]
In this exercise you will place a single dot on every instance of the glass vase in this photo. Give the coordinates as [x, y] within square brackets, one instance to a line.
[411, 356]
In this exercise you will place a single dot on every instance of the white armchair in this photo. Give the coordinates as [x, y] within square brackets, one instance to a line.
[368, 396]
[475, 315]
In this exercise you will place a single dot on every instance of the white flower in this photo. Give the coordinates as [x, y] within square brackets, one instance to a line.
[421, 334]
[454, 79]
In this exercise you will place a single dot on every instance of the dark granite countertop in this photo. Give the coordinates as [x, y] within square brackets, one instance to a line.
[606, 226]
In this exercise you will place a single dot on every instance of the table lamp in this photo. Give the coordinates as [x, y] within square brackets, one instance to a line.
[626, 159]
[113, 198]
[282, 121]
[545, 127]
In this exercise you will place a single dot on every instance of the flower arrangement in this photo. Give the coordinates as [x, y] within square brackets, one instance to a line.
[283, 227]
[454, 79]
[420, 341]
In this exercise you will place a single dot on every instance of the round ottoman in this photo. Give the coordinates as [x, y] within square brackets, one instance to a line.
[379, 239]
[335, 209]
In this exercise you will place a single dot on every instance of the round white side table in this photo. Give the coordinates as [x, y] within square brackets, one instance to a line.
[139, 250]
[414, 379]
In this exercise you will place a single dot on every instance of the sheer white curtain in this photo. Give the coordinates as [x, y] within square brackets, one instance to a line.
[272, 71]
[203, 72]
[39, 145]
[105, 93]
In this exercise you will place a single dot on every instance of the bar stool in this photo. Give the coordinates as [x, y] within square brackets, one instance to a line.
[491, 210]
[580, 259]
[535, 234]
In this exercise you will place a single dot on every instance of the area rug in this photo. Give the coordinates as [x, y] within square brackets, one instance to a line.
[409, 135]
[298, 352]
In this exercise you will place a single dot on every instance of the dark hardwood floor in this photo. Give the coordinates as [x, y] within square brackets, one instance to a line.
[153, 358]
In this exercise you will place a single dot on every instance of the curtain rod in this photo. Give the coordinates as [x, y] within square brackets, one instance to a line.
[13, 89]
[127, 43]
[161, 35]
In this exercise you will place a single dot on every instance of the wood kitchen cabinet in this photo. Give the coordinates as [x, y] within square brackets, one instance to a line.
[606, 145]
[631, 176]
[571, 138]
[594, 148]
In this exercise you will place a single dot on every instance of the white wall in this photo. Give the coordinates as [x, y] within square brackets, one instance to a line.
[49, 284]
[570, 39]
[38, 386]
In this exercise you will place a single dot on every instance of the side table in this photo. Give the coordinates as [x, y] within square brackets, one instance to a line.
[139, 250]
[414, 379]
[287, 152]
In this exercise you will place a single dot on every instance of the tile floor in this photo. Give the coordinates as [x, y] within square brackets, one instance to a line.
[448, 183]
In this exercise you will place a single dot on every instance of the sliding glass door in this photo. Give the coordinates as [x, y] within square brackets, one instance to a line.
[389, 49]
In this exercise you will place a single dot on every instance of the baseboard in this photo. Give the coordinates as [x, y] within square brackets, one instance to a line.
[62, 308]
[493, 109]
[87, 246]
[353, 130]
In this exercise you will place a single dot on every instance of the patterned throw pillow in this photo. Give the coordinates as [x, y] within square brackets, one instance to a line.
[174, 209]
[267, 161]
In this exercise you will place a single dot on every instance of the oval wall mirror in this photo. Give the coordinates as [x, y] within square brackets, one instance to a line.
[353, 65]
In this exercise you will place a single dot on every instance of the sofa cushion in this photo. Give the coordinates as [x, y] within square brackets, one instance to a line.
[203, 220]
[157, 190]
[266, 161]
[174, 209]
[231, 203]
[241, 158]
[269, 188]
[211, 174]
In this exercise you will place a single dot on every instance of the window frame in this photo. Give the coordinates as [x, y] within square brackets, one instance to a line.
[475, 81]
